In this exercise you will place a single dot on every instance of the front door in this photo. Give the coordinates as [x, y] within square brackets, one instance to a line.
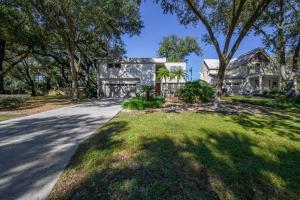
[157, 89]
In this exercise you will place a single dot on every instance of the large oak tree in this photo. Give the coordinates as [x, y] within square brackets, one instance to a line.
[232, 19]
[74, 20]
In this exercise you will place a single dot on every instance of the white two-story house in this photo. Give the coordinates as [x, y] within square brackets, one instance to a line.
[253, 72]
[123, 77]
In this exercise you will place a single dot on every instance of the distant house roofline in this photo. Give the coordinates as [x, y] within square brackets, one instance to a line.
[133, 60]
[213, 64]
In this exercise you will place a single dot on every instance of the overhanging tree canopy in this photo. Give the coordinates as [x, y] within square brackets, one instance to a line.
[176, 49]
[227, 18]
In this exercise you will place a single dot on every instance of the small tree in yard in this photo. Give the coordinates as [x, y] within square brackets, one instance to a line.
[222, 17]
[163, 74]
[179, 74]
[147, 90]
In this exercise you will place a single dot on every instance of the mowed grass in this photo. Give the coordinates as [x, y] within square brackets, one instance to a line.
[262, 101]
[6, 117]
[187, 156]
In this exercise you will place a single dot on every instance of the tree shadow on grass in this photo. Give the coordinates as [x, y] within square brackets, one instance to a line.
[282, 125]
[219, 166]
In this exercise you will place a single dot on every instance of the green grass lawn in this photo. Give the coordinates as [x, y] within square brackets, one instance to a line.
[6, 117]
[187, 156]
[262, 101]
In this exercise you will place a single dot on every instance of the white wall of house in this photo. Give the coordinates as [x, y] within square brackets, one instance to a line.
[127, 72]
[172, 67]
[123, 78]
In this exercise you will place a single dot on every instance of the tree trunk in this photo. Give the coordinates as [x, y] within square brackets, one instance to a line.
[29, 79]
[73, 73]
[2, 54]
[219, 85]
[292, 83]
[32, 87]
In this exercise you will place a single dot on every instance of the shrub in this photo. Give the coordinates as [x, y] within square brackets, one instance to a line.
[285, 99]
[12, 101]
[197, 91]
[90, 92]
[147, 91]
[139, 103]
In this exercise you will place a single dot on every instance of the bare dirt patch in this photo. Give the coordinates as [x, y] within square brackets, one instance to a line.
[37, 106]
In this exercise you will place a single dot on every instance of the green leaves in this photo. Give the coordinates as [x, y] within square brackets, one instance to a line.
[176, 49]
[163, 73]
[179, 74]
[196, 91]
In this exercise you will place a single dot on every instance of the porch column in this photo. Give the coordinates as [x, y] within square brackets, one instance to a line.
[279, 84]
[260, 84]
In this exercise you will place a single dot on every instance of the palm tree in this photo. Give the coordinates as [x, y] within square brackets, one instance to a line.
[163, 74]
[179, 74]
[147, 90]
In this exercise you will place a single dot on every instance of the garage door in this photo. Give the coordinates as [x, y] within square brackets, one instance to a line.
[120, 90]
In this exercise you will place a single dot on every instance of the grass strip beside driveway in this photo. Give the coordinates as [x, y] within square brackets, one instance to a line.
[187, 156]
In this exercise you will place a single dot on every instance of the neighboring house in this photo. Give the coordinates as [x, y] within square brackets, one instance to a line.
[122, 78]
[253, 72]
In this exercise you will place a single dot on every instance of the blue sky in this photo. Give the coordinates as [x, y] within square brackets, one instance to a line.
[157, 25]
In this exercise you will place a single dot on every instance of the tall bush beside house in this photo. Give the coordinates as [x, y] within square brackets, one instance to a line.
[197, 91]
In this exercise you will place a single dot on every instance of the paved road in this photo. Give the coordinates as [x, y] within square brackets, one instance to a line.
[35, 149]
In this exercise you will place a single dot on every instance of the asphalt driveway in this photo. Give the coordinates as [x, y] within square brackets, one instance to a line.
[35, 149]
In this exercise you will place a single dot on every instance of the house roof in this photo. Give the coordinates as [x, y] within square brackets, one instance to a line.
[244, 58]
[213, 64]
[134, 60]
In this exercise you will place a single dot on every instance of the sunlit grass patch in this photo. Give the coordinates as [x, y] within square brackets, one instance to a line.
[187, 156]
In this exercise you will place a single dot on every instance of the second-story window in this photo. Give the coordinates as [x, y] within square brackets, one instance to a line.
[257, 68]
[174, 68]
[113, 65]
[110, 65]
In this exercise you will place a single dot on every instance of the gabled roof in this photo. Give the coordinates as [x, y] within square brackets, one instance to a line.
[213, 64]
[244, 58]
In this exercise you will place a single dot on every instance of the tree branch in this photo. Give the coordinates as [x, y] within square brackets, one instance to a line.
[234, 20]
[204, 20]
[259, 9]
